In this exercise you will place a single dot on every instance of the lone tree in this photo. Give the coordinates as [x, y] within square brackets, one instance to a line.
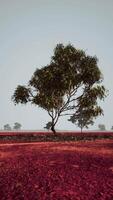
[7, 127]
[71, 80]
[102, 127]
[17, 126]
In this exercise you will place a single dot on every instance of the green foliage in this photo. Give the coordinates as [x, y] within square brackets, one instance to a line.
[17, 126]
[102, 127]
[85, 116]
[7, 127]
[21, 95]
[71, 82]
[48, 126]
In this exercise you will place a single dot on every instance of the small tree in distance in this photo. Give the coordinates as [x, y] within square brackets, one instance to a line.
[7, 127]
[17, 126]
[102, 127]
[71, 80]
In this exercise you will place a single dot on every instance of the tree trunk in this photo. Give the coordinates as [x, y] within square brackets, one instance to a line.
[53, 129]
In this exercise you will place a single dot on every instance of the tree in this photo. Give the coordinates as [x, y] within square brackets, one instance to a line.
[112, 128]
[48, 126]
[7, 127]
[83, 118]
[65, 85]
[102, 127]
[87, 111]
[17, 126]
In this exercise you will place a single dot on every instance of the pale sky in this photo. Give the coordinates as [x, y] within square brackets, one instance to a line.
[30, 30]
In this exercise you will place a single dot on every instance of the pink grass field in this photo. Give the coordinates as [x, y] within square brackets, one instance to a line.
[57, 170]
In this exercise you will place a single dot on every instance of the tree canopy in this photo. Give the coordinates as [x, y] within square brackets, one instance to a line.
[7, 127]
[17, 126]
[102, 127]
[70, 85]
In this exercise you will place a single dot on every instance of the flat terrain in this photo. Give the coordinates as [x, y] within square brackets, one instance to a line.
[37, 136]
[57, 170]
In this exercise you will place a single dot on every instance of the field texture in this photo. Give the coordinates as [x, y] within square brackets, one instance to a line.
[75, 133]
[25, 136]
[57, 170]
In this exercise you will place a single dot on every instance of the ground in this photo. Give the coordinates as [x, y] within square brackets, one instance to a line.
[57, 170]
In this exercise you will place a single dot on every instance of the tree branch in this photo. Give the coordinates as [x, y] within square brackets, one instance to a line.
[68, 98]
[50, 114]
[66, 114]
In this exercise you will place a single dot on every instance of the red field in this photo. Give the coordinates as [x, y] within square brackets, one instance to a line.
[76, 133]
[57, 171]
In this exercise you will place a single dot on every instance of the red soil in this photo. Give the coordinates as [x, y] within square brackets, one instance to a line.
[57, 171]
[76, 133]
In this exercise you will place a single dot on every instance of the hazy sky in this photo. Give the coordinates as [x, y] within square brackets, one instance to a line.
[29, 31]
